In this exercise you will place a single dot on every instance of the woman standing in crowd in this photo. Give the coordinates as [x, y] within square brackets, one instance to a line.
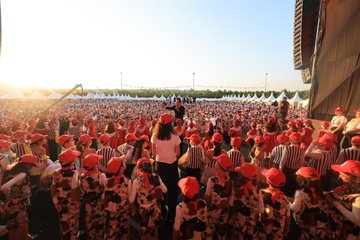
[275, 221]
[149, 189]
[310, 210]
[245, 204]
[338, 123]
[116, 197]
[217, 195]
[133, 156]
[352, 129]
[17, 199]
[92, 183]
[345, 213]
[166, 148]
[65, 194]
[191, 213]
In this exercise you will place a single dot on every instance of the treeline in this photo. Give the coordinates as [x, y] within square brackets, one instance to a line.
[198, 94]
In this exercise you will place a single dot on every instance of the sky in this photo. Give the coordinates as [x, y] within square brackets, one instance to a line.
[228, 44]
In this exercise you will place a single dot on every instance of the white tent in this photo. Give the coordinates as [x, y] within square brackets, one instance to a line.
[254, 98]
[242, 97]
[102, 95]
[262, 98]
[54, 95]
[36, 95]
[248, 97]
[162, 98]
[304, 103]
[89, 95]
[271, 98]
[296, 98]
[282, 95]
[14, 95]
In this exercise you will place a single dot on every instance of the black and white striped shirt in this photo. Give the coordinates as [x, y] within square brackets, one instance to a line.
[350, 153]
[195, 157]
[292, 156]
[277, 153]
[18, 149]
[237, 158]
[107, 154]
[322, 165]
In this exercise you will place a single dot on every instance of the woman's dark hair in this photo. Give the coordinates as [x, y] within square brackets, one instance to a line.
[211, 130]
[16, 168]
[239, 180]
[37, 143]
[217, 149]
[187, 200]
[110, 128]
[164, 131]
[271, 127]
[307, 184]
[137, 152]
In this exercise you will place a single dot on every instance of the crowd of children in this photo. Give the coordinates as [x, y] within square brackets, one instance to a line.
[101, 175]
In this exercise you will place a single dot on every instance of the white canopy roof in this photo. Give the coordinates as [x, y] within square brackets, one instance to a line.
[254, 98]
[262, 98]
[296, 98]
[271, 98]
[280, 98]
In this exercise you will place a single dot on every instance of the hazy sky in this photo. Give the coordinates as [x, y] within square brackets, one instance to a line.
[154, 43]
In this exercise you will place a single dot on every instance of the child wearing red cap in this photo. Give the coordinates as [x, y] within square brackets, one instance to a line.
[105, 151]
[246, 203]
[257, 153]
[142, 128]
[92, 184]
[310, 210]
[7, 157]
[251, 134]
[345, 202]
[307, 134]
[121, 132]
[113, 134]
[277, 152]
[237, 158]
[352, 152]
[270, 133]
[209, 132]
[134, 155]
[130, 140]
[217, 195]
[325, 128]
[53, 140]
[116, 195]
[149, 189]
[195, 157]
[21, 147]
[217, 150]
[17, 199]
[65, 194]
[75, 129]
[338, 123]
[235, 130]
[275, 220]
[83, 146]
[191, 213]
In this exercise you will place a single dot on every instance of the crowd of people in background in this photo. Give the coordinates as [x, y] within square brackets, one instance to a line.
[207, 170]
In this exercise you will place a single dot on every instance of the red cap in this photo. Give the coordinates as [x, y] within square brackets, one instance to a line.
[85, 138]
[298, 122]
[179, 121]
[295, 137]
[195, 138]
[189, 186]
[281, 138]
[248, 170]
[274, 176]
[115, 163]
[291, 123]
[350, 166]
[165, 118]
[68, 156]
[224, 161]
[355, 140]
[259, 139]
[340, 109]
[236, 142]
[154, 122]
[74, 121]
[29, 158]
[217, 137]
[122, 122]
[130, 136]
[142, 120]
[252, 132]
[236, 122]
[330, 136]
[210, 125]
[37, 137]
[232, 133]
[4, 137]
[325, 124]
[308, 121]
[253, 124]
[308, 172]
[145, 137]
[142, 161]
[65, 138]
[132, 123]
[272, 120]
[91, 160]
[104, 138]
[19, 133]
[5, 144]
[191, 124]
[326, 142]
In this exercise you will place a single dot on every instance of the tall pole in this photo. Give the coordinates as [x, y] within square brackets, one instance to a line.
[193, 81]
[121, 80]
[266, 76]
